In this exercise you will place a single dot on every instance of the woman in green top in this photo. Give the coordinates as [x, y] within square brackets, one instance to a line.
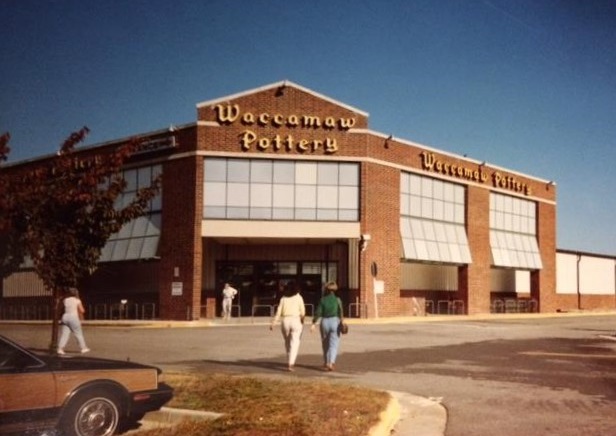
[329, 311]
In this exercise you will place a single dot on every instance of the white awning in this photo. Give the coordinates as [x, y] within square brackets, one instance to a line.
[434, 241]
[514, 250]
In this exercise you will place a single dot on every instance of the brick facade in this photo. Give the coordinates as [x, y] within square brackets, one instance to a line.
[286, 121]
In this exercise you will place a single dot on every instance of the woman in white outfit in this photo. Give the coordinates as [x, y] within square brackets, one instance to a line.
[71, 321]
[291, 310]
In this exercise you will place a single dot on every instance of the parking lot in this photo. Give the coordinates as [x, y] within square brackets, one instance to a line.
[498, 374]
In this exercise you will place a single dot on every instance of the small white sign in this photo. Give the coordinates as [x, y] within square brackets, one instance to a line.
[177, 288]
[379, 286]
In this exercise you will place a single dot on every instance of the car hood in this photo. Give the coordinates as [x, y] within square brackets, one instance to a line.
[80, 363]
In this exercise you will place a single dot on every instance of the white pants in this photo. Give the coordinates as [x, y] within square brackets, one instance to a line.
[227, 305]
[291, 328]
[71, 323]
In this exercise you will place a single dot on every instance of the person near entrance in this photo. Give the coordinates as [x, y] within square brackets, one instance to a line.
[291, 312]
[228, 294]
[329, 311]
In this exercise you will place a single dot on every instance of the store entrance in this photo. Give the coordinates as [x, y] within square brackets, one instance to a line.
[260, 284]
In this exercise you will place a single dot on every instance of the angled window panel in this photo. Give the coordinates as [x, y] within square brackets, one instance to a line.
[455, 253]
[134, 249]
[126, 230]
[458, 213]
[449, 212]
[405, 202]
[107, 251]
[427, 208]
[466, 254]
[408, 250]
[415, 206]
[157, 202]
[439, 232]
[150, 247]
[417, 230]
[405, 228]
[130, 177]
[443, 252]
[497, 259]
[452, 235]
[433, 253]
[422, 249]
[439, 210]
[154, 224]
[405, 183]
[429, 232]
[119, 250]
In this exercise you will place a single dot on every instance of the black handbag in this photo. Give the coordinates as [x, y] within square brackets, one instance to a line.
[343, 328]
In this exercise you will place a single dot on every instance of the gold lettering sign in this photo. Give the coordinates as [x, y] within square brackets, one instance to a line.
[249, 139]
[429, 162]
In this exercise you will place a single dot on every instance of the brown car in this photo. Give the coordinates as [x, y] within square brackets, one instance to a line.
[75, 395]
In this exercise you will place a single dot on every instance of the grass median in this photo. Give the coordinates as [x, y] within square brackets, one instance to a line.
[259, 406]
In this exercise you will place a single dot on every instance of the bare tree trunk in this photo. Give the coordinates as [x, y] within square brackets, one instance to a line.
[55, 320]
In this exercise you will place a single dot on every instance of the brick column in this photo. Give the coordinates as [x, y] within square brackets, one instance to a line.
[181, 246]
[474, 279]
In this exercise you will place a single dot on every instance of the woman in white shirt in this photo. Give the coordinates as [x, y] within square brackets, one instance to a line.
[291, 310]
[71, 321]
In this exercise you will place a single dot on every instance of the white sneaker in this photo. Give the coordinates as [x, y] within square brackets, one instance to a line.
[61, 351]
[85, 350]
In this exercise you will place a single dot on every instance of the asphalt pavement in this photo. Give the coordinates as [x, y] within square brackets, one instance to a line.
[406, 414]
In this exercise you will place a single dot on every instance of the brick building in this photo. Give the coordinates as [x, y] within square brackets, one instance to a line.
[281, 183]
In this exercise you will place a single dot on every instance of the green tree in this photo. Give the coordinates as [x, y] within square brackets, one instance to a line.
[62, 211]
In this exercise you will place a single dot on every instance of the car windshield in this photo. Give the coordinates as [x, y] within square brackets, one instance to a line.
[12, 357]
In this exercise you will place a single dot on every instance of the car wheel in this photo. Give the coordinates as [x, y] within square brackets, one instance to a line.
[91, 414]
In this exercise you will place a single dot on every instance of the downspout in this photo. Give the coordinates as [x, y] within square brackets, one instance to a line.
[579, 295]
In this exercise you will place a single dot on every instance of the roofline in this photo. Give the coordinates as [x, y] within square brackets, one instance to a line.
[169, 129]
[447, 153]
[281, 84]
[585, 253]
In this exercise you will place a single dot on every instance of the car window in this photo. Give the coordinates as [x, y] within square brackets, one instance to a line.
[13, 358]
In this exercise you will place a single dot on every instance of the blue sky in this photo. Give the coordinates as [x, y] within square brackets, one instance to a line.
[528, 85]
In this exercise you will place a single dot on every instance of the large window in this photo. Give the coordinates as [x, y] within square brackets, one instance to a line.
[432, 220]
[263, 189]
[513, 224]
[137, 239]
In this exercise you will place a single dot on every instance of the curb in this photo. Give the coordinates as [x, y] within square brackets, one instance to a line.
[168, 417]
[387, 419]
[420, 416]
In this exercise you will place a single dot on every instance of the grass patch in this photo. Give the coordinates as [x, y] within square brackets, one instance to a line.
[274, 407]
